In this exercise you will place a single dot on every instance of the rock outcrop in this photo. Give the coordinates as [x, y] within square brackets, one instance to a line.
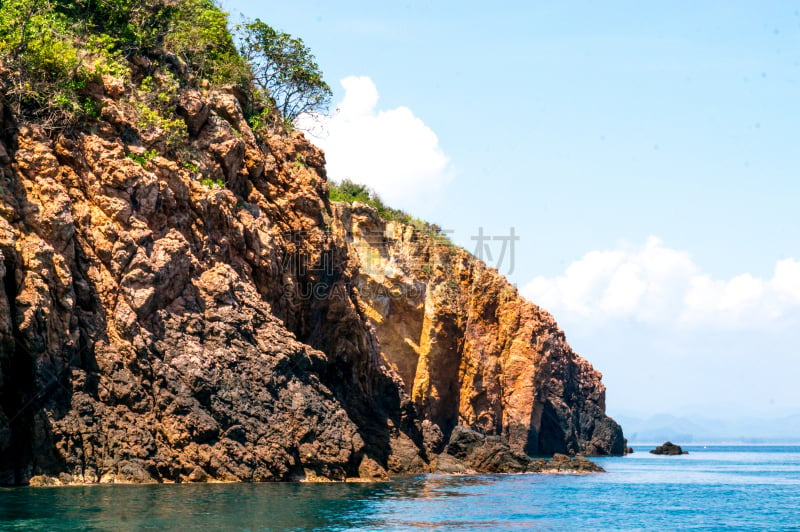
[470, 350]
[469, 450]
[668, 448]
[207, 314]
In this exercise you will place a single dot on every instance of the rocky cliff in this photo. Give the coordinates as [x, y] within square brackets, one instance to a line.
[208, 314]
[469, 349]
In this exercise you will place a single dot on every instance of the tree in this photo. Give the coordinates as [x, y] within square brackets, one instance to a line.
[284, 68]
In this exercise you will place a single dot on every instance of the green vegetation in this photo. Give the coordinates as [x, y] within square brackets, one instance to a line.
[208, 182]
[284, 69]
[154, 107]
[199, 35]
[349, 192]
[173, 127]
[299, 161]
[45, 69]
[142, 159]
[54, 55]
[54, 51]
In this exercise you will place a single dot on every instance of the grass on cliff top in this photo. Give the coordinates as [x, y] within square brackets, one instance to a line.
[349, 192]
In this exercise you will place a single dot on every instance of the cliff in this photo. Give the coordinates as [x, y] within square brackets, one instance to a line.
[469, 349]
[204, 312]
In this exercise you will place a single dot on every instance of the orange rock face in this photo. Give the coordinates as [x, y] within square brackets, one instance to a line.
[470, 350]
[205, 313]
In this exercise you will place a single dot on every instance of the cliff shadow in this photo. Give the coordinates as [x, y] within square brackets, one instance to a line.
[48, 337]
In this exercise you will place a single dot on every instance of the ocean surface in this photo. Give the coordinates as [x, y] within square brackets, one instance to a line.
[712, 488]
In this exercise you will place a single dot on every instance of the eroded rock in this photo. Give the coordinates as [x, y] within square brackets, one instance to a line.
[156, 325]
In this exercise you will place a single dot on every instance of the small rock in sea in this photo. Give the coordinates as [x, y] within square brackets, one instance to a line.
[669, 448]
[628, 450]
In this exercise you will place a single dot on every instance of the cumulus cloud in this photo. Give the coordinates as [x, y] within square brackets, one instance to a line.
[392, 151]
[658, 285]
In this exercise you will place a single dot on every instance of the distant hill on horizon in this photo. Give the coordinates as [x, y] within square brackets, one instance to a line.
[663, 427]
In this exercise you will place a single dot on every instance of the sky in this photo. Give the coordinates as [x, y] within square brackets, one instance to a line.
[645, 153]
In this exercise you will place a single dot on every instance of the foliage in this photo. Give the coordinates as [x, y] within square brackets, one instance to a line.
[107, 58]
[349, 192]
[173, 128]
[199, 36]
[267, 119]
[284, 69]
[208, 182]
[45, 71]
[154, 107]
[299, 162]
[142, 159]
[53, 49]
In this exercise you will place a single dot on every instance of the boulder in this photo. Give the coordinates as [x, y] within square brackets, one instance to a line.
[370, 470]
[447, 464]
[668, 448]
[490, 454]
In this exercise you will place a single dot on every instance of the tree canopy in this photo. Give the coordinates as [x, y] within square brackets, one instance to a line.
[284, 69]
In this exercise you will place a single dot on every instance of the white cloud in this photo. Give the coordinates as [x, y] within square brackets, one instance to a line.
[661, 286]
[392, 151]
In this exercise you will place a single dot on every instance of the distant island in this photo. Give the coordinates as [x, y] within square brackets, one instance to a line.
[744, 430]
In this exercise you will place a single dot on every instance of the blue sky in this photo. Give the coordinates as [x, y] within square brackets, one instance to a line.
[645, 153]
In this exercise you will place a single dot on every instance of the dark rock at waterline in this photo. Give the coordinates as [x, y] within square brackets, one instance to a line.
[669, 449]
[561, 463]
[626, 448]
[446, 464]
[493, 454]
[485, 453]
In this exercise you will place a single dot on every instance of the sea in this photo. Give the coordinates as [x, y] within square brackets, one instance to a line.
[714, 487]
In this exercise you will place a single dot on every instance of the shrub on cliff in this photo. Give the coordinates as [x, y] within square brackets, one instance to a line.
[37, 46]
[348, 192]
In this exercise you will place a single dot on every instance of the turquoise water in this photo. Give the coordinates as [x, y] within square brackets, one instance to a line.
[714, 488]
